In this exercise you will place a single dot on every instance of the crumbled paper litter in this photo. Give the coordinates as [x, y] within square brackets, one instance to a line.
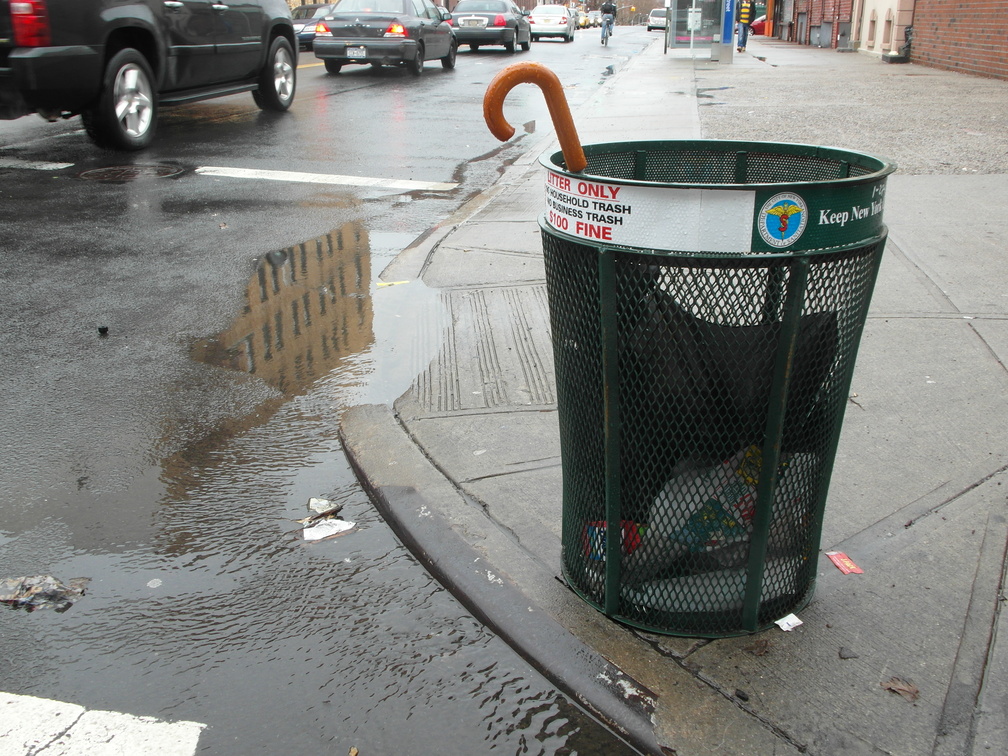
[788, 623]
[327, 529]
[319, 505]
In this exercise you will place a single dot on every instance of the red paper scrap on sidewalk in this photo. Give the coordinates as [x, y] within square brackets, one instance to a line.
[844, 563]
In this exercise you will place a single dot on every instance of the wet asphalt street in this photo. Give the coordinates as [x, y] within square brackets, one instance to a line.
[177, 349]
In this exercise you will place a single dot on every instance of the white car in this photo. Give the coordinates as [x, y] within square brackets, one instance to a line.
[656, 19]
[553, 21]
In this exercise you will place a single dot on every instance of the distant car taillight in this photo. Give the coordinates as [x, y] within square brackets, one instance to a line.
[395, 29]
[30, 22]
[500, 20]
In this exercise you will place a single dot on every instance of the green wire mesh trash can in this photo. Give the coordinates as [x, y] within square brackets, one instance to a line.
[706, 303]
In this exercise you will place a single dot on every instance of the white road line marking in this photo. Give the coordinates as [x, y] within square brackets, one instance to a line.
[326, 178]
[33, 725]
[33, 165]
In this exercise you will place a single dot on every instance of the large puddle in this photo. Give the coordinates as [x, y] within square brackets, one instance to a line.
[206, 604]
[316, 312]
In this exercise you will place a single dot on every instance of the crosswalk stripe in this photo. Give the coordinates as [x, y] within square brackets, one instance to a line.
[33, 165]
[40, 725]
[326, 178]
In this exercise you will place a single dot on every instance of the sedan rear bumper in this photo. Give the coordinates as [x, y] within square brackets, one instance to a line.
[551, 31]
[497, 35]
[385, 51]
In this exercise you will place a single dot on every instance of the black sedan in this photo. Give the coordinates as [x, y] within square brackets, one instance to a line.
[306, 17]
[491, 22]
[386, 33]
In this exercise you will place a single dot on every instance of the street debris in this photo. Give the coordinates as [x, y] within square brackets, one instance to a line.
[844, 563]
[321, 506]
[41, 592]
[908, 690]
[327, 529]
[788, 623]
[741, 695]
[760, 647]
[847, 653]
[326, 522]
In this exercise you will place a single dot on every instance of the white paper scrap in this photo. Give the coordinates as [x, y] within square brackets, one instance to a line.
[319, 505]
[788, 623]
[327, 528]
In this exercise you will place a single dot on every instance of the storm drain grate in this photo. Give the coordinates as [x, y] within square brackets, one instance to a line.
[124, 173]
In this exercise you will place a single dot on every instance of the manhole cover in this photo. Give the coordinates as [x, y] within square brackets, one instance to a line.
[123, 173]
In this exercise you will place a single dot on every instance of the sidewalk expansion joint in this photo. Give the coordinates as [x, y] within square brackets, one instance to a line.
[468, 498]
[682, 660]
[954, 497]
[990, 350]
[960, 709]
[525, 466]
[734, 698]
[652, 641]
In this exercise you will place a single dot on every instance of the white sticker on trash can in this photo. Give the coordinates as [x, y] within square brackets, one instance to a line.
[664, 218]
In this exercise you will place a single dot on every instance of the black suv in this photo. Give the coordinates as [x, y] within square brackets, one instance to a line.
[115, 62]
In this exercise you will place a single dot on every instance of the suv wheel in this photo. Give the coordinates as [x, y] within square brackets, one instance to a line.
[125, 116]
[278, 79]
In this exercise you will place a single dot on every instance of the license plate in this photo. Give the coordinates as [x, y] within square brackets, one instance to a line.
[475, 22]
[356, 52]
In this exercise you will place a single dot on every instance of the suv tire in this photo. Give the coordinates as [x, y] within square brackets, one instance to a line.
[125, 116]
[278, 79]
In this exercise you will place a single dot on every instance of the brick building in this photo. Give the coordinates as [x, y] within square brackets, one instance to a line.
[970, 36]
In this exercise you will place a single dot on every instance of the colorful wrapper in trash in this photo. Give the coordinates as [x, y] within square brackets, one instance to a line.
[594, 538]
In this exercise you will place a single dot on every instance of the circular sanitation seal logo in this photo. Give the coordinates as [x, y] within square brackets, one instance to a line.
[782, 219]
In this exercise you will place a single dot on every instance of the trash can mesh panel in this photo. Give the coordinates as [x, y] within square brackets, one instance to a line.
[717, 163]
[574, 322]
[697, 343]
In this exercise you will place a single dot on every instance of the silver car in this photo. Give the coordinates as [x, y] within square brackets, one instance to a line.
[491, 22]
[553, 21]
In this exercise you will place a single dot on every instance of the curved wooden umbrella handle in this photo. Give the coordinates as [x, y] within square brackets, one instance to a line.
[556, 100]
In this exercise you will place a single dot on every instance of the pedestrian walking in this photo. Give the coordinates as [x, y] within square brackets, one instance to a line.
[745, 18]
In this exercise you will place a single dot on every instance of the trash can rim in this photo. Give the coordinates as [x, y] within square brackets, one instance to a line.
[879, 166]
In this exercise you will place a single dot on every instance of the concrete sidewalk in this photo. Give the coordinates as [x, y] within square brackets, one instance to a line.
[466, 466]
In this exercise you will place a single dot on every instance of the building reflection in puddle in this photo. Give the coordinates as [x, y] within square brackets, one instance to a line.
[308, 308]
